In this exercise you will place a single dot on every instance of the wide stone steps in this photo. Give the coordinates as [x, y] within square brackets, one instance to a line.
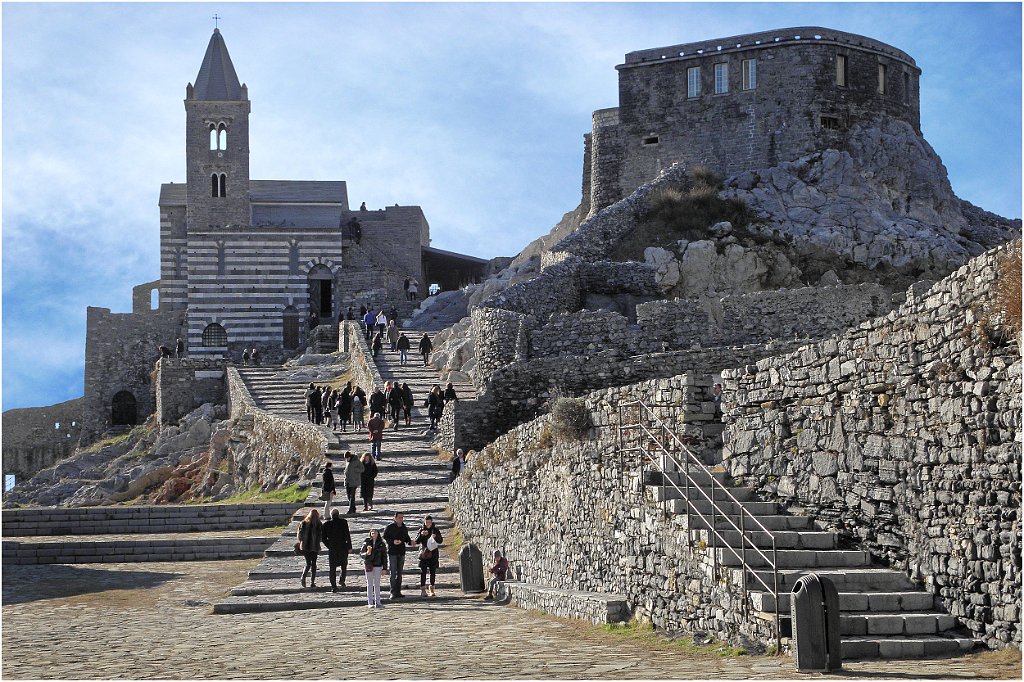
[290, 567]
[355, 582]
[853, 601]
[904, 647]
[772, 522]
[796, 558]
[135, 550]
[323, 598]
[784, 539]
[845, 580]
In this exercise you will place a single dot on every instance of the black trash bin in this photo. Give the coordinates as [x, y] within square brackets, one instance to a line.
[471, 568]
[814, 607]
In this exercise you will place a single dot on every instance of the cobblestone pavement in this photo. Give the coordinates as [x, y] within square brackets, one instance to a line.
[154, 621]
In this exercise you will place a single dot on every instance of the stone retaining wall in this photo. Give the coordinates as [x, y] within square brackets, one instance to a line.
[576, 516]
[599, 609]
[364, 371]
[143, 519]
[270, 450]
[904, 434]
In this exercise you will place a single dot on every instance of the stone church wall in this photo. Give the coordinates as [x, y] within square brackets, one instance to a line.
[35, 438]
[904, 433]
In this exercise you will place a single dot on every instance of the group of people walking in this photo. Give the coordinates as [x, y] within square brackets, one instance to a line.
[382, 552]
[360, 475]
[330, 407]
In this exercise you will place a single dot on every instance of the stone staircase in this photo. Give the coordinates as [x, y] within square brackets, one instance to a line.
[883, 613]
[410, 479]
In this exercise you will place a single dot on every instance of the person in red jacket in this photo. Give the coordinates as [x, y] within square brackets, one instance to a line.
[376, 428]
[499, 570]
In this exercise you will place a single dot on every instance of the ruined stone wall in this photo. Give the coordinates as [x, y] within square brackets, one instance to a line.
[795, 106]
[807, 313]
[120, 351]
[575, 515]
[904, 433]
[35, 438]
[183, 385]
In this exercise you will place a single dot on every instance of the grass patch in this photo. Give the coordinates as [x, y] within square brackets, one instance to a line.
[293, 493]
[136, 432]
[684, 212]
[644, 633]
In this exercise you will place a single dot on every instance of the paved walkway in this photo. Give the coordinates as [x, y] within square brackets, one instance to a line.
[154, 621]
[410, 479]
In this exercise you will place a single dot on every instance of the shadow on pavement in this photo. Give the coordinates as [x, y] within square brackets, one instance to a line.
[28, 583]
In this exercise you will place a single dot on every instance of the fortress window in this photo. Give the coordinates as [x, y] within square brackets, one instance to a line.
[841, 70]
[214, 184]
[653, 139]
[749, 74]
[830, 123]
[721, 78]
[881, 78]
[693, 82]
[214, 336]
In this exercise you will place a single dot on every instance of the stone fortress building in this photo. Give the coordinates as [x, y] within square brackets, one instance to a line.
[742, 103]
[245, 263]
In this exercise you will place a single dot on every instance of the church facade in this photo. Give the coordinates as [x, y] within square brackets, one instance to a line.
[250, 263]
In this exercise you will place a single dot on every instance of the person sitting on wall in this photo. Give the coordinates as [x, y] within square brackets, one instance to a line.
[165, 352]
[499, 571]
[458, 464]
[449, 394]
[362, 206]
[378, 343]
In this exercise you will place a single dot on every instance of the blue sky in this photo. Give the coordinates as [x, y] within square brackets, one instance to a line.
[476, 112]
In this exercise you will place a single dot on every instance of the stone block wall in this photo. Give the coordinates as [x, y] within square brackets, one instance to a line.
[35, 438]
[575, 515]
[120, 352]
[904, 434]
[183, 385]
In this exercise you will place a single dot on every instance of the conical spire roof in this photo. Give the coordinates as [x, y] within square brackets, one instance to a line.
[217, 80]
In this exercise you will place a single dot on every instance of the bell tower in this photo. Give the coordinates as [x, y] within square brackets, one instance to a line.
[217, 143]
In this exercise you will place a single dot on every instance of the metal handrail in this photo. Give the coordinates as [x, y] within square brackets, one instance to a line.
[669, 437]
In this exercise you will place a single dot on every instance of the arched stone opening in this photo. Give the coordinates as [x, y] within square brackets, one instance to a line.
[123, 409]
[321, 284]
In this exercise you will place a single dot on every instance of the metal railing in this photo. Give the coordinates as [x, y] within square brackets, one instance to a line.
[655, 440]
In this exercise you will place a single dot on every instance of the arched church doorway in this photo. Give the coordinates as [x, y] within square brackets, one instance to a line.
[123, 409]
[291, 327]
[321, 281]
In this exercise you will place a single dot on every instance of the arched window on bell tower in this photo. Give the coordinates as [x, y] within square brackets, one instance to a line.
[222, 137]
[223, 185]
[213, 138]
[214, 182]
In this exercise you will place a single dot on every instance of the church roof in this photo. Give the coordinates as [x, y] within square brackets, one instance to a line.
[217, 80]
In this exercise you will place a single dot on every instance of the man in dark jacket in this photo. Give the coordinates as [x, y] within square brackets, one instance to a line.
[375, 427]
[403, 347]
[378, 402]
[339, 543]
[396, 537]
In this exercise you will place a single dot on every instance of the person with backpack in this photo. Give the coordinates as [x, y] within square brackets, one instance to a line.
[338, 540]
[329, 490]
[375, 427]
[407, 403]
[403, 345]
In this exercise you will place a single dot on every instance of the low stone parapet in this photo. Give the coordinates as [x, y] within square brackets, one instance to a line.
[597, 607]
[143, 519]
[122, 551]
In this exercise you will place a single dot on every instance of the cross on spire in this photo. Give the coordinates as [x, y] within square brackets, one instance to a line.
[216, 18]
